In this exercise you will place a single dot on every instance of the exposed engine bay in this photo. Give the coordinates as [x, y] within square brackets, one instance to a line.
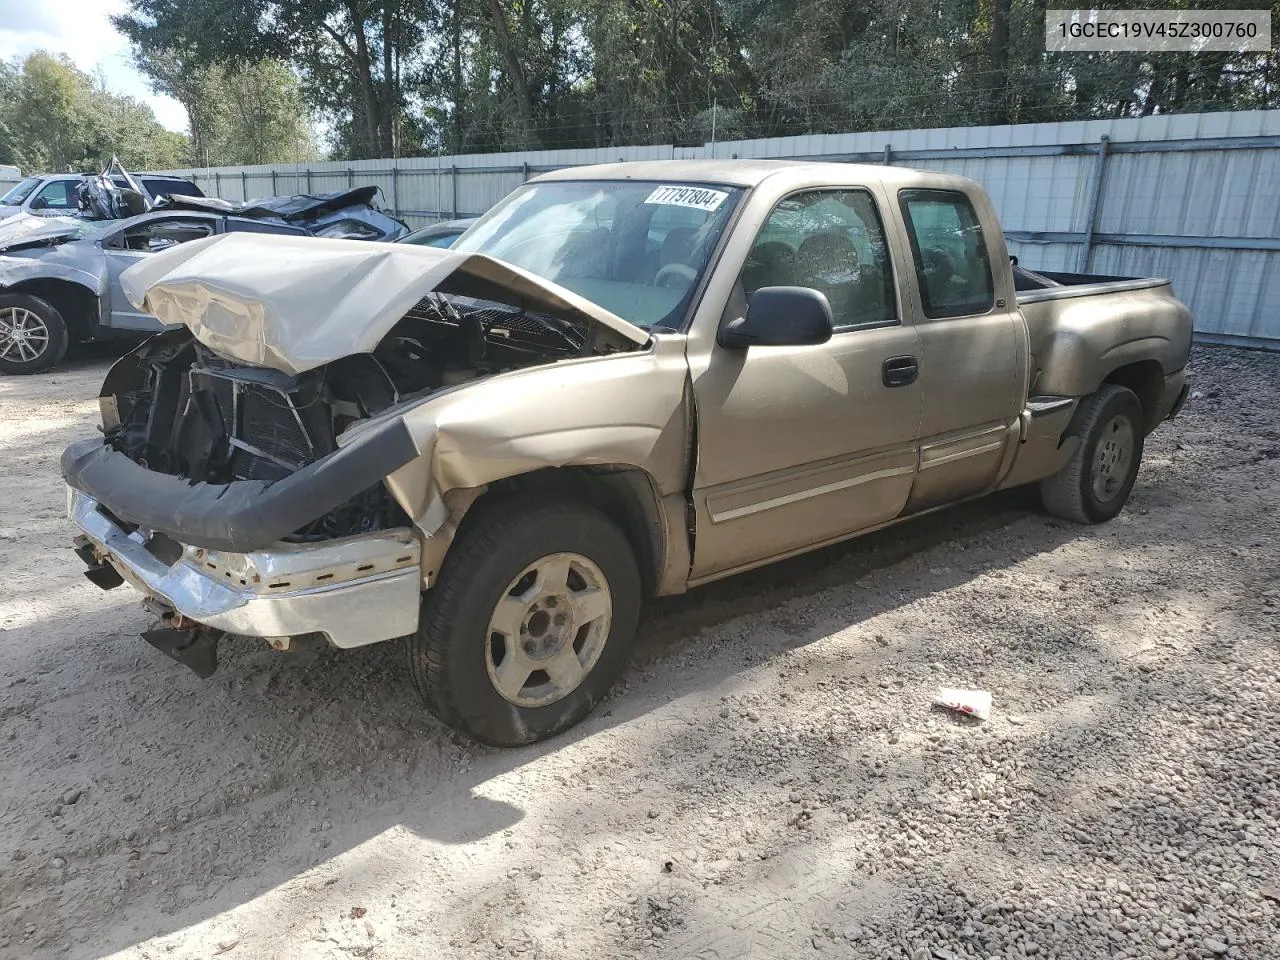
[176, 407]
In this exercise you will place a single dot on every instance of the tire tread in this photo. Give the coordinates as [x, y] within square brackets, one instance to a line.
[1063, 493]
[483, 537]
[58, 332]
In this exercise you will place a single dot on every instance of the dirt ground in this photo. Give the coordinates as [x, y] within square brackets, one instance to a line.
[769, 781]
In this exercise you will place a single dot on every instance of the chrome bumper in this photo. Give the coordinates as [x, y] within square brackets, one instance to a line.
[355, 591]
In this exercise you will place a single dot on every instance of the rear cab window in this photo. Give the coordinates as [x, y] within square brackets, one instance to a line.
[950, 253]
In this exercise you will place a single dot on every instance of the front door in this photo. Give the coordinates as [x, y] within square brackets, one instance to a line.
[57, 198]
[123, 314]
[802, 445]
[129, 245]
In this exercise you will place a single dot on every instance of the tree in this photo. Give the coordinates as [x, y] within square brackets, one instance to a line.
[249, 112]
[55, 118]
[349, 52]
[401, 77]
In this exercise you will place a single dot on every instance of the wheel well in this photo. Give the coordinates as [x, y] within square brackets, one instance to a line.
[1146, 379]
[625, 495]
[77, 304]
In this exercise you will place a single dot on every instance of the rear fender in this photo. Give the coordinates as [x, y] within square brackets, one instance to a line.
[78, 294]
[1079, 342]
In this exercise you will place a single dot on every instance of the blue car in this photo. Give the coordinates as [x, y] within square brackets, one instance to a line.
[442, 234]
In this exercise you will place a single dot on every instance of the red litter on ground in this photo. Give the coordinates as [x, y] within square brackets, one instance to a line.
[974, 703]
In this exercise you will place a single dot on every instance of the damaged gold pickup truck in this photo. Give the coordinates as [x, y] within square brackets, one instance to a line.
[622, 381]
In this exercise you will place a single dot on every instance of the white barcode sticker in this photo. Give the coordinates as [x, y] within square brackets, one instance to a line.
[700, 198]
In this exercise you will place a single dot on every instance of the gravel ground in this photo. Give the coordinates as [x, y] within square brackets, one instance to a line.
[769, 781]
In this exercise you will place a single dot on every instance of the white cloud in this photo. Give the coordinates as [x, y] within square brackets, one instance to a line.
[82, 30]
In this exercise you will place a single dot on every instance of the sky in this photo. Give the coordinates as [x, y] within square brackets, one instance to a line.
[82, 30]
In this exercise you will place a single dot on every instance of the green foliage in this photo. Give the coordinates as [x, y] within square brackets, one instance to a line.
[245, 112]
[350, 54]
[403, 77]
[55, 118]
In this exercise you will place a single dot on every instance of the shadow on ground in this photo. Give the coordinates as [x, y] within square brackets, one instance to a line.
[296, 758]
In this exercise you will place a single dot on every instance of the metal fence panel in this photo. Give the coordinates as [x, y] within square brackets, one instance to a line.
[1194, 197]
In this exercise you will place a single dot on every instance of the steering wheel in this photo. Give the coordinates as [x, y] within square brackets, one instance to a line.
[674, 270]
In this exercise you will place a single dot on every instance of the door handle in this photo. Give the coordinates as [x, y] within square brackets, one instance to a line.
[900, 371]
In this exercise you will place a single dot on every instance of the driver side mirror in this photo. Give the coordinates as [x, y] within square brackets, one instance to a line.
[39, 203]
[780, 317]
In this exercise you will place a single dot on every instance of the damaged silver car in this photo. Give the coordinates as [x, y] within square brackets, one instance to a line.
[60, 278]
[342, 215]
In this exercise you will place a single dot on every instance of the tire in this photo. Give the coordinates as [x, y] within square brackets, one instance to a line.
[1095, 483]
[33, 335]
[459, 657]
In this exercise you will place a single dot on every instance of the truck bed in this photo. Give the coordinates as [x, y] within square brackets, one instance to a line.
[1083, 325]
[1034, 286]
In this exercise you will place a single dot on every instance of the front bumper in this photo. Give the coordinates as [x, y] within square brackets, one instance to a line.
[354, 591]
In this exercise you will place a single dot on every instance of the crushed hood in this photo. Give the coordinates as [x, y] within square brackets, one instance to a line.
[296, 303]
[23, 228]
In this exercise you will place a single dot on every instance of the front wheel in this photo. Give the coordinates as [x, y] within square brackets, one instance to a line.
[1097, 480]
[531, 621]
[33, 335]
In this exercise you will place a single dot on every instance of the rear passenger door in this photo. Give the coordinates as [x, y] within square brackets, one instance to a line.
[973, 350]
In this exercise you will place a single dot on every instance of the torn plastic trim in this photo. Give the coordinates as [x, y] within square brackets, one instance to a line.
[242, 515]
[296, 303]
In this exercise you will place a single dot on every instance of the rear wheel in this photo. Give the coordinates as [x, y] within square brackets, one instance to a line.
[33, 335]
[529, 624]
[1095, 483]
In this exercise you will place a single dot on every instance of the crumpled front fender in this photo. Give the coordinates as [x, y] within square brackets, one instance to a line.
[52, 266]
[629, 411]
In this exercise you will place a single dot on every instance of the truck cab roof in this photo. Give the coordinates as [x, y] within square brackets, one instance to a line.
[748, 173]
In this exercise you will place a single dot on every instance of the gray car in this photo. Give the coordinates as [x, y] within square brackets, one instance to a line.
[60, 278]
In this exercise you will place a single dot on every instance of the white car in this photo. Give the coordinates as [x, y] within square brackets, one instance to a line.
[55, 194]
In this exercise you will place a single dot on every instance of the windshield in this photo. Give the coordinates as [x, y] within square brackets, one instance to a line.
[21, 191]
[636, 248]
[24, 228]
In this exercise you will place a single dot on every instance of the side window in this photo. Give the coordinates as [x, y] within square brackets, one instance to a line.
[832, 241]
[58, 195]
[950, 253]
[171, 188]
[263, 226]
[157, 235]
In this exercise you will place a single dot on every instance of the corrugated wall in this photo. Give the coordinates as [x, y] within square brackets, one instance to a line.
[1195, 198]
